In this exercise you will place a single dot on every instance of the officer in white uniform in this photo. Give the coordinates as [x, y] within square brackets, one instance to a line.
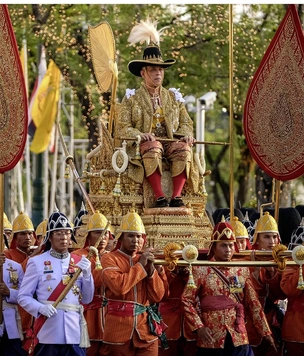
[11, 329]
[64, 330]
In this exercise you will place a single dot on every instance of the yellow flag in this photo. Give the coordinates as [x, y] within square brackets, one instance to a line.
[45, 108]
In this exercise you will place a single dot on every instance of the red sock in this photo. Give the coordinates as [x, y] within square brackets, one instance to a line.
[155, 181]
[178, 184]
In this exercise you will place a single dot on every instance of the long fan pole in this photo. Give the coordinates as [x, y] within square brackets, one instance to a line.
[1, 235]
[231, 110]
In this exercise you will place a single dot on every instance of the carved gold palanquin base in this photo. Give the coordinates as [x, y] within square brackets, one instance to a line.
[189, 224]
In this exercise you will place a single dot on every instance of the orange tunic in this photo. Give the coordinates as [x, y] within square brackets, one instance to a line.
[266, 288]
[220, 320]
[171, 308]
[126, 280]
[16, 255]
[180, 339]
[293, 323]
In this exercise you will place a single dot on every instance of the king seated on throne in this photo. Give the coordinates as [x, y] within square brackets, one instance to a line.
[156, 116]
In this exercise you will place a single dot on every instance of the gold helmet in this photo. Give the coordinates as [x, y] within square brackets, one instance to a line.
[22, 223]
[240, 231]
[6, 223]
[131, 222]
[266, 223]
[41, 228]
[97, 221]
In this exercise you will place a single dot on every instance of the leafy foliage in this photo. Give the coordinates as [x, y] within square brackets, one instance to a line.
[197, 36]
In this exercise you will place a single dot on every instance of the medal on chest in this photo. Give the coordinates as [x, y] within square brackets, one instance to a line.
[70, 272]
[236, 284]
[48, 267]
[13, 276]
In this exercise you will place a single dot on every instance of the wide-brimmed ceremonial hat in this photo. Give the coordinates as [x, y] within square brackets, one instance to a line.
[146, 31]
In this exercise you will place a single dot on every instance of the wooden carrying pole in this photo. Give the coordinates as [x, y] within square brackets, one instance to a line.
[77, 273]
[1, 235]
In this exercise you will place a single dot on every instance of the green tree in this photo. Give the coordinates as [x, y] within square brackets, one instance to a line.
[197, 36]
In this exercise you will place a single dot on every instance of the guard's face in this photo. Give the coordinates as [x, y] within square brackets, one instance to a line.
[267, 240]
[24, 239]
[153, 75]
[223, 251]
[130, 242]
[94, 236]
[60, 240]
[241, 242]
[8, 234]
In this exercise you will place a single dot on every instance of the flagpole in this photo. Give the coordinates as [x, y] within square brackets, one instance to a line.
[46, 183]
[55, 156]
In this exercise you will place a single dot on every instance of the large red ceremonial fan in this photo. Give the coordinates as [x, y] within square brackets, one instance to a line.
[13, 99]
[13, 111]
[274, 111]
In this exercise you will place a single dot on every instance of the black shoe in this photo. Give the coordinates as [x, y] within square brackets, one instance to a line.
[176, 202]
[161, 202]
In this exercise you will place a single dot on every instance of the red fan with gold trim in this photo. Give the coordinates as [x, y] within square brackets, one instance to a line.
[13, 111]
[13, 99]
[274, 112]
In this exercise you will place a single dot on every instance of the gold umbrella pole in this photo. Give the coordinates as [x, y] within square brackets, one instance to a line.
[77, 273]
[277, 200]
[70, 161]
[231, 110]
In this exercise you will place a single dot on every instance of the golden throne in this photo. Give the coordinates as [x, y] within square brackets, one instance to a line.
[114, 194]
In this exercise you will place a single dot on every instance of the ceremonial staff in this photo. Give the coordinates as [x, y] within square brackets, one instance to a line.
[13, 110]
[70, 161]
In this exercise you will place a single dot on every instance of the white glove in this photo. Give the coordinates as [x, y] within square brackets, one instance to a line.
[85, 265]
[47, 310]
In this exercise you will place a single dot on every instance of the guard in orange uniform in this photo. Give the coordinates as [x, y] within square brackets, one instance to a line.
[93, 311]
[266, 281]
[132, 285]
